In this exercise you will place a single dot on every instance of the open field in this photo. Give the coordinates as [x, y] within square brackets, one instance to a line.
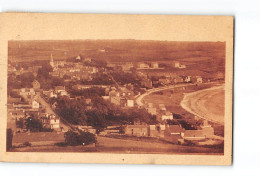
[114, 145]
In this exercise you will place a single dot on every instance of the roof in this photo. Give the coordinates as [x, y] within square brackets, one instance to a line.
[137, 126]
[60, 88]
[175, 128]
[13, 100]
[38, 137]
[194, 133]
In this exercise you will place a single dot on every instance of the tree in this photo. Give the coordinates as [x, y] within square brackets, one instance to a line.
[79, 138]
[33, 124]
[9, 138]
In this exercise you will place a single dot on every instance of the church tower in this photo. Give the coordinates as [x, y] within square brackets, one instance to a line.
[52, 61]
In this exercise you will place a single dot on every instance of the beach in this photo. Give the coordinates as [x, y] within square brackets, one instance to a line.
[207, 104]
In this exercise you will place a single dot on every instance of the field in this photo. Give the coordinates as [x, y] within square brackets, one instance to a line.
[114, 145]
[172, 99]
[202, 55]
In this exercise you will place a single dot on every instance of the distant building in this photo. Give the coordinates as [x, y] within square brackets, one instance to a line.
[167, 116]
[154, 65]
[147, 83]
[35, 104]
[152, 110]
[143, 65]
[178, 80]
[176, 64]
[50, 121]
[206, 132]
[127, 66]
[56, 63]
[60, 90]
[174, 133]
[157, 131]
[196, 79]
[27, 92]
[136, 130]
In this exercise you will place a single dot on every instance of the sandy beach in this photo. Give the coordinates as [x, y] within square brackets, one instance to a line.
[207, 104]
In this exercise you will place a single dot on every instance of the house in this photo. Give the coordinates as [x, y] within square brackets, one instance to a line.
[17, 114]
[143, 65]
[35, 104]
[127, 66]
[130, 103]
[157, 131]
[182, 66]
[154, 65]
[177, 64]
[78, 57]
[187, 79]
[173, 133]
[36, 85]
[115, 100]
[206, 131]
[147, 83]
[178, 80]
[27, 92]
[196, 79]
[166, 116]
[137, 130]
[151, 110]
[60, 90]
[50, 121]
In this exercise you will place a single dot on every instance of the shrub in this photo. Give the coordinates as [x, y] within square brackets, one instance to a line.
[27, 144]
[81, 138]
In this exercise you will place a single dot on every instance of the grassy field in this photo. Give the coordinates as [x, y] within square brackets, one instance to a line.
[126, 145]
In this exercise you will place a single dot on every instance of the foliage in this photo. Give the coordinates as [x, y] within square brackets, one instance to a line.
[71, 110]
[34, 125]
[9, 138]
[27, 144]
[89, 93]
[81, 138]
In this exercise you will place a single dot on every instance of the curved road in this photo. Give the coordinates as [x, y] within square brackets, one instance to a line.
[140, 97]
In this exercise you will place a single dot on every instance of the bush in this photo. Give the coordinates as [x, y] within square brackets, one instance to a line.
[81, 138]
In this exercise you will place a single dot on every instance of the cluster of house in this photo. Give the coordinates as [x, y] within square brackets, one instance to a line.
[24, 107]
[32, 69]
[72, 70]
[143, 65]
[122, 96]
[178, 65]
[159, 111]
[172, 133]
[54, 93]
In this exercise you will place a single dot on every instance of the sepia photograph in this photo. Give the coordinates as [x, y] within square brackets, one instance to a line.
[123, 95]
[118, 96]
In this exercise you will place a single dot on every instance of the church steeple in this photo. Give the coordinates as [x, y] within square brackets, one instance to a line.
[52, 61]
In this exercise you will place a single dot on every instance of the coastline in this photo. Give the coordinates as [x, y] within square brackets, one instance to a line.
[193, 103]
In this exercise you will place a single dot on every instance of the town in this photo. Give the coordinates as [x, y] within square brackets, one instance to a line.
[60, 101]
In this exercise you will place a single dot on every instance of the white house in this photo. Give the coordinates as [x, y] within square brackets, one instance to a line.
[35, 105]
